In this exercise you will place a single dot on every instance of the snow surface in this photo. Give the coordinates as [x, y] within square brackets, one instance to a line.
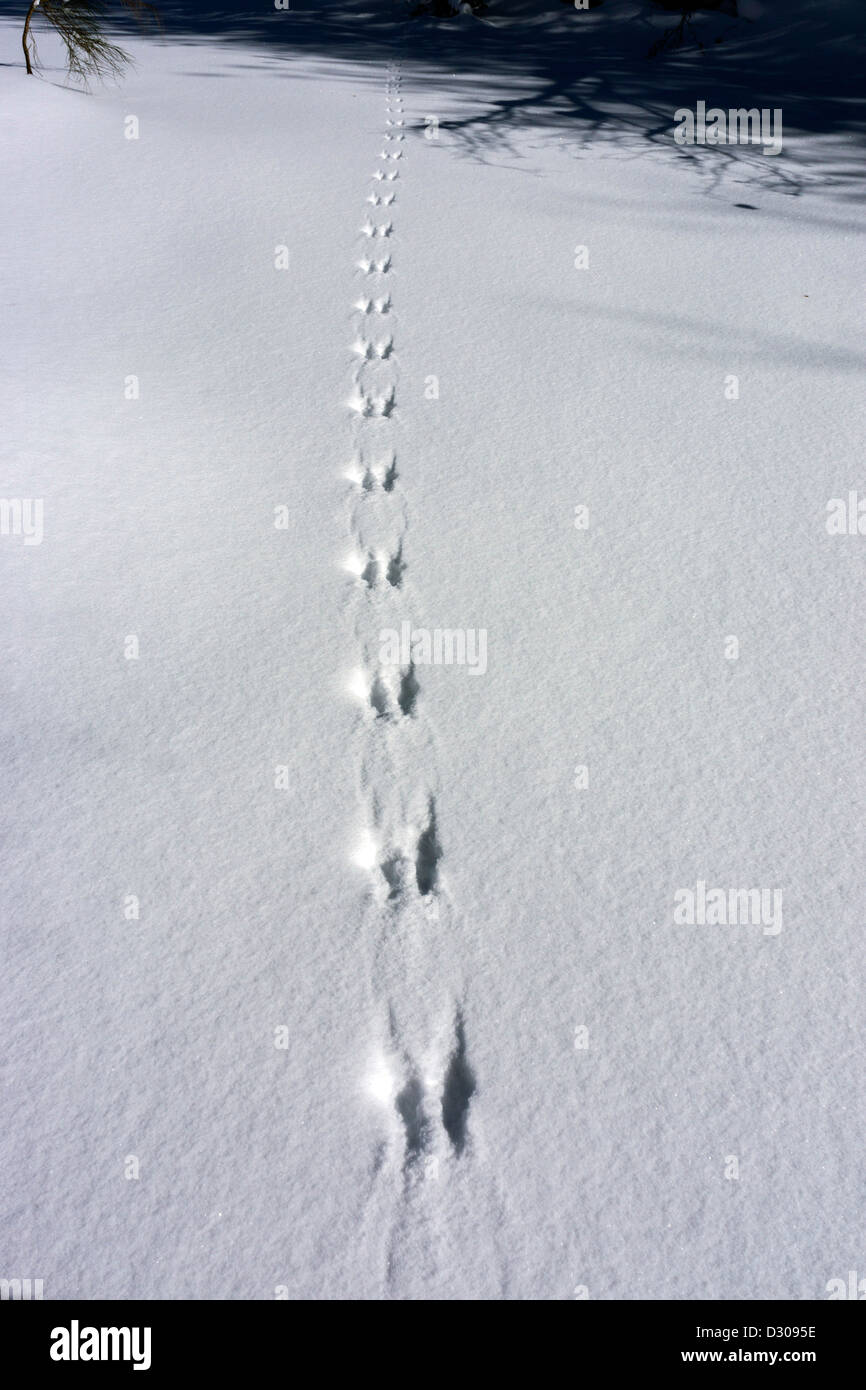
[429, 906]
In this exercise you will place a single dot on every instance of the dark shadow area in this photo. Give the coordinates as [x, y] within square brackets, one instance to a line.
[458, 1090]
[587, 74]
[410, 1108]
[409, 692]
[427, 855]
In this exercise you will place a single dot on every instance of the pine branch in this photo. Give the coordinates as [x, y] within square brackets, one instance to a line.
[80, 25]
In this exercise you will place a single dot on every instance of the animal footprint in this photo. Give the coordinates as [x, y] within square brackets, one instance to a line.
[412, 1084]
[374, 569]
[382, 474]
[457, 1090]
[374, 306]
[395, 570]
[409, 865]
[408, 691]
[375, 267]
[396, 871]
[393, 691]
[371, 571]
[427, 854]
[368, 351]
[369, 406]
[386, 479]
[360, 403]
[409, 1104]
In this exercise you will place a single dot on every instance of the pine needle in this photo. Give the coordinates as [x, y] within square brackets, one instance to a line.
[89, 54]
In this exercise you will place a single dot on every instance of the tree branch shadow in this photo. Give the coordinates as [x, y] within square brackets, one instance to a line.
[586, 76]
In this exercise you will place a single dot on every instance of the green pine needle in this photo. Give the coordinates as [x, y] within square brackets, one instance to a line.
[80, 25]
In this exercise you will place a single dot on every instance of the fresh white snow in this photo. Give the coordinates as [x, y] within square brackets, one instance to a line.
[405, 1011]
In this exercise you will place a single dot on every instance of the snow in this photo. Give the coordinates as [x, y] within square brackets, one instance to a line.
[392, 863]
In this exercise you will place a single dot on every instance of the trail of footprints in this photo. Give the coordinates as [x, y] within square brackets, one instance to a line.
[401, 849]
[379, 521]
